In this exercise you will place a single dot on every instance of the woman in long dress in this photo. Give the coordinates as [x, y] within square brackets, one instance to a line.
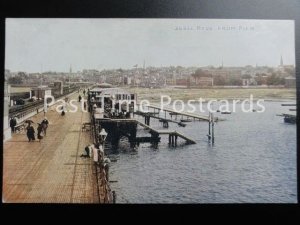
[30, 133]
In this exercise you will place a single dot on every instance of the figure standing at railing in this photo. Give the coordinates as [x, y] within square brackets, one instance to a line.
[13, 123]
[95, 148]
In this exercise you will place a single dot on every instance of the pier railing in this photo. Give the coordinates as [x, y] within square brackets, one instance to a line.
[103, 188]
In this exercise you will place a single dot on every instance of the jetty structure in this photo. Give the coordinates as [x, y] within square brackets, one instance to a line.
[115, 110]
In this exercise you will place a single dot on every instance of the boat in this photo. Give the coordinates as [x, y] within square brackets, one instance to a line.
[185, 120]
[226, 112]
[288, 118]
[181, 124]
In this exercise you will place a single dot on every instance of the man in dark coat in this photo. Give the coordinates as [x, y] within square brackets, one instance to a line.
[39, 131]
[12, 124]
[44, 125]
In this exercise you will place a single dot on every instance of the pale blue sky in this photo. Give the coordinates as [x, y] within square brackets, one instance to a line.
[33, 45]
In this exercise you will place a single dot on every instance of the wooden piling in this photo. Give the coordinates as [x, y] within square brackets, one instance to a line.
[209, 126]
[212, 129]
[173, 140]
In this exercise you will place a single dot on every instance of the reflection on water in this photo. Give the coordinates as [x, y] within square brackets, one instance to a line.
[253, 160]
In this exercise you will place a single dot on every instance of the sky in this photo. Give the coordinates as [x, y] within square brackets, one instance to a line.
[38, 45]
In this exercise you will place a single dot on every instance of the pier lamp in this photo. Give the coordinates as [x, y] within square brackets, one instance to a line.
[94, 107]
[103, 134]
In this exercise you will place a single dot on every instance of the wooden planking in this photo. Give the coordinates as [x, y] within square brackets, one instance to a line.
[50, 171]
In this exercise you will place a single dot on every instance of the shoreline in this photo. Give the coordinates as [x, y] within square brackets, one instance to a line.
[267, 94]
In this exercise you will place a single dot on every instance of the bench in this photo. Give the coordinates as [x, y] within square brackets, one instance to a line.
[86, 127]
[20, 128]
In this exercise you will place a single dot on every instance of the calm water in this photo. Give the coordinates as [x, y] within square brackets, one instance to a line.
[253, 160]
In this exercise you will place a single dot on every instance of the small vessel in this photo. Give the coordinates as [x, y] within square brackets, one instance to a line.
[289, 118]
[181, 124]
[185, 120]
[226, 112]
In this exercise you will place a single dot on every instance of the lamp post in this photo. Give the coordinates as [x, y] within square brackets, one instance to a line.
[103, 135]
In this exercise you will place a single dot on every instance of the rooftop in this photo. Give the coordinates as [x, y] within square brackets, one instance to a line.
[110, 91]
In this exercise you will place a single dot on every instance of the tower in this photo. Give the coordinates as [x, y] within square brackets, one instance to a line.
[281, 61]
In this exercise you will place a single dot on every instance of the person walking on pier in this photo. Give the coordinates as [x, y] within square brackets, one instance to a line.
[79, 98]
[30, 132]
[39, 131]
[84, 92]
[44, 125]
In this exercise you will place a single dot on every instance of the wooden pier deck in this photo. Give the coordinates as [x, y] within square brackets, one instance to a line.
[51, 171]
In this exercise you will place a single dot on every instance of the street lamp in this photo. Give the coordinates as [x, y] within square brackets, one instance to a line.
[103, 134]
[94, 106]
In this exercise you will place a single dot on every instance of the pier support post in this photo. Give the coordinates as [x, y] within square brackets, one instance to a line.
[147, 120]
[209, 125]
[169, 139]
[176, 140]
[212, 129]
[165, 124]
[114, 197]
[173, 140]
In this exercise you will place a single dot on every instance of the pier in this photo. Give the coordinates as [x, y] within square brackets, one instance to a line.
[176, 113]
[173, 135]
[113, 109]
[52, 171]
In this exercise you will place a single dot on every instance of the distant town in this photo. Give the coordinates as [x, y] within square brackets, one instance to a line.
[22, 84]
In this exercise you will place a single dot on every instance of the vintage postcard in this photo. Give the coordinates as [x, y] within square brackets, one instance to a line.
[149, 111]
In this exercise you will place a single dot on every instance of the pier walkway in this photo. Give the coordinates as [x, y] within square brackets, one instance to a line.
[51, 171]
